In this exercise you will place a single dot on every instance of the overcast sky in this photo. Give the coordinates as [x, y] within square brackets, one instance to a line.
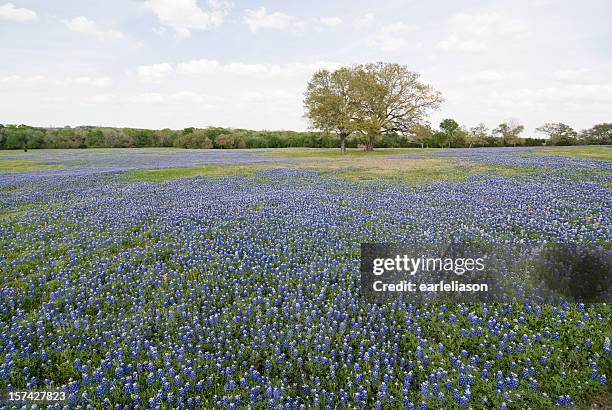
[180, 63]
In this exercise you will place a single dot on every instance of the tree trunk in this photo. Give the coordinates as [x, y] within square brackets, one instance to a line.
[370, 142]
[343, 144]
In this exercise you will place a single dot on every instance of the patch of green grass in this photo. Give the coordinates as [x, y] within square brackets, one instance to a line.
[591, 152]
[416, 176]
[24, 165]
[11, 214]
[410, 170]
[296, 153]
[213, 171]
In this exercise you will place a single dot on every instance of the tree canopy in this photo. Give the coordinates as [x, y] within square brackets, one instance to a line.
[509, 131]
[558, 133]
[330, 103]
[371, 99]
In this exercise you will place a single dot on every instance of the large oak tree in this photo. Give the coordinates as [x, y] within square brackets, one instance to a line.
[372, 99]
[391, 99]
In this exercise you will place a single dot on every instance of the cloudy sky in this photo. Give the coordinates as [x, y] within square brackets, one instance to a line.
[179, 63]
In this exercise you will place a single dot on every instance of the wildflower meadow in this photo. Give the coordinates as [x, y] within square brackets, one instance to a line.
[170, 278]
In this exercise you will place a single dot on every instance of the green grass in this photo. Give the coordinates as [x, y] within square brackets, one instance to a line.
[592, 152]
[408, 170]
[451, 173]
[24, 165]
[213, 171]
[417, 176]
[11, 214]
[297, 153]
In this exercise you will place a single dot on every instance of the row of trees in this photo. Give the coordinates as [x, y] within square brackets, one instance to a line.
[449, 134]
[24, 136]
[507, 134]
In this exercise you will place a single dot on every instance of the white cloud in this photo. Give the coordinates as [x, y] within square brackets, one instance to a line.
[261, 19]
[83, 25]
[594, 74]
[366, 20]
[574, 75]
[102, 98]
[9, 12]
[266, 96]
[183, 16]
[178, 97]
[89, 81]
[154, 71]
[330, 21]
[17, 81]
[569, 94]
[481, 32]
[489, 76]
[213, 69]
[393, 37]
[228, 93]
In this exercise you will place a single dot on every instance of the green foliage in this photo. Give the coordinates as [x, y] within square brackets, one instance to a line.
[449, 126]
[509, 132]
[454, 135]
[331, 103]
[193, 139]
[559, 134]
[228, 141]
[600, 134]
[21, 137]
[420, 136]
[374, 100]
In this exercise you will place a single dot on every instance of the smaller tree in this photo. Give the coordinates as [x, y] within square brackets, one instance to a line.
[450, 128]
[439, 139]
[599, 134]
[165, 137]
[422, 134]
[559, 133]
[229, 141]
[477, 136]
[509, 132]
[194, 139]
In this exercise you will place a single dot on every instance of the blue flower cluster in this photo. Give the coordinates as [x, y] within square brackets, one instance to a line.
[243, 292]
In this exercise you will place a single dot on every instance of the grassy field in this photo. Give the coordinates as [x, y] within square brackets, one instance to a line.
[211, 171]
[421, 166]
[23, 165]
[592, 152]
[299, 153]
[412, 170]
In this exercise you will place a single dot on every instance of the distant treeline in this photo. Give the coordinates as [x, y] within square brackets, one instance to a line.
[24, 136]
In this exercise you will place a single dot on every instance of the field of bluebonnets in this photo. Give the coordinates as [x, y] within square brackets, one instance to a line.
[160, 278]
